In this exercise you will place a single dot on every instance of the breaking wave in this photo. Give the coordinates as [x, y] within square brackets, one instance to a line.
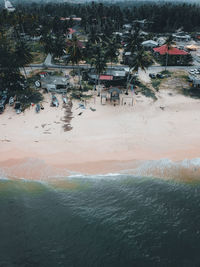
[34, 169]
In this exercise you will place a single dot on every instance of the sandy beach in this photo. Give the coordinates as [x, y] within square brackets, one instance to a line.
[110, 139]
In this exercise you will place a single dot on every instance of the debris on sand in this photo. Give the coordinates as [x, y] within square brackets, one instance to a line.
[68, 116]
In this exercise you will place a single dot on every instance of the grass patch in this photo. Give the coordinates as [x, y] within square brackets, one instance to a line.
[36, 47]
[38, 57]
[184, 77]
[192, 92]
[166, 72]
[147, 91]
[156, 84]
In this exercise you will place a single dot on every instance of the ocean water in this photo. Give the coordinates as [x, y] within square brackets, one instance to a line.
[114, 220]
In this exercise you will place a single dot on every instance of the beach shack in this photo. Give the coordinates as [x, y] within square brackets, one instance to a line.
[114, 95]
[55, 84]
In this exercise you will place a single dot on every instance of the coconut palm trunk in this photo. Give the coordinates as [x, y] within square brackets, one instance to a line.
[166, 63]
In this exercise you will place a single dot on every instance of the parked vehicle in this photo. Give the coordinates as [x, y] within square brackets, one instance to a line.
[152, 75]
[160, 76]
[193, 71]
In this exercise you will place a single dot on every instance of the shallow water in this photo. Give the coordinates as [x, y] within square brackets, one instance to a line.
[99, 221]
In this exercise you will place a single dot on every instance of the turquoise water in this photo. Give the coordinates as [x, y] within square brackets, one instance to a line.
[113, 221]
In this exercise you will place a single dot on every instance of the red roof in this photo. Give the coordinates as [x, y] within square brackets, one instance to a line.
[71, 31]
[106, 77]
[162, 50]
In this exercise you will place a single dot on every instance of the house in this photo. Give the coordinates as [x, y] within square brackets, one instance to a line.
[111, 77]
[71, 18]
[127, 26]
[150, 44]
[163, 50]
[181, 36]
[161, 41]
[55, 84]
[143, 24]
[9, 6]
[177, 57]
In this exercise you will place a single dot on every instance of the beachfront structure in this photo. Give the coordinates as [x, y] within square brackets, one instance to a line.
[55, 84]
[114, 95]
[111, 77]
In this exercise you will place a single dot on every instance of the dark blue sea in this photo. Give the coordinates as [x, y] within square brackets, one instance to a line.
[99, 221]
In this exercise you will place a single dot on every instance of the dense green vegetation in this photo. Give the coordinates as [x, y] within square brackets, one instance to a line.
[34, 30]
[106, 18]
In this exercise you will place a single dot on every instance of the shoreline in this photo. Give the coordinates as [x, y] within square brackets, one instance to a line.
[107, 140]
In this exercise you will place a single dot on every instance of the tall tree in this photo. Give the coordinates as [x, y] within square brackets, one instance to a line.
[23, 55]
[99, 62]
[169, 43]
[112, 50]
[74, 49]
[140, 60]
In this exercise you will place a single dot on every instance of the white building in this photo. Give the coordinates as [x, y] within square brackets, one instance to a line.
[150, 44]
[9, 6]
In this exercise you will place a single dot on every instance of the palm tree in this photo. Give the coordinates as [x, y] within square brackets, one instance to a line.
[58, 46]
[99, 62]
[112, 50]
[47, 42]
[74, 49]
[140, 60]
[134, 41]
[23, 55]
[169, 43]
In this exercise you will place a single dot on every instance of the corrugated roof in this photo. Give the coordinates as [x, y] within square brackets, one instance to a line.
[106, 77]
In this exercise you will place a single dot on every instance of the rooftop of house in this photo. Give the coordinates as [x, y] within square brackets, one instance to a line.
[74, 19]
[54, 80]
[162, 50]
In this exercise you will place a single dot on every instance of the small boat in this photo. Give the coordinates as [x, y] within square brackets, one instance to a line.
[55, 102]
[1, 108]
[64, 98]
[11, 101]
[37, 108]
